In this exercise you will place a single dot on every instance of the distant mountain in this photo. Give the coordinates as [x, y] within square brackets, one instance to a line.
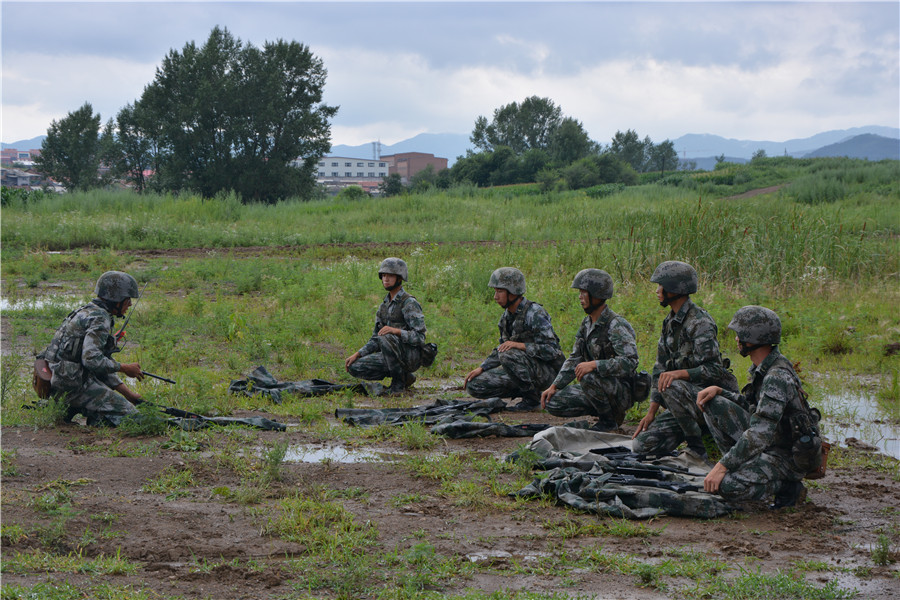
[868, 146]
[32, 144]
[443, 145]
[696, 146]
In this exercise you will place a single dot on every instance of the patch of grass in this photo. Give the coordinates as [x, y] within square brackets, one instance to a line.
[48, 413]
[272, 460]
[148, 421]
[12, 534]
[569, 528]
[849, 458]
[881, 551]
[441, 467]
[69, 591]
[7, 466]
[402, 500]
[416, 436]
[44, 562]
[761, 586]
[172, 482]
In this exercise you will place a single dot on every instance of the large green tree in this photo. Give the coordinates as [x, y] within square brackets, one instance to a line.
[519, 127]
[227, 116]
[70, 153]
[631, 149]
[663, 156]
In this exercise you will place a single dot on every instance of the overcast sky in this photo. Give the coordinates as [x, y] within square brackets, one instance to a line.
[746, 70]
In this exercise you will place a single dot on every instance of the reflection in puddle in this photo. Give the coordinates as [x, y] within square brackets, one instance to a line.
[858, 416]
[333, 454]
[498, 556]
[38, 303]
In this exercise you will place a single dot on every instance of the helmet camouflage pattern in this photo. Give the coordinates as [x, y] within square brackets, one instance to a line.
[508, 278]
[115, 286]
[595, 282]
[394, 266]
[756, 325]
[676, 277]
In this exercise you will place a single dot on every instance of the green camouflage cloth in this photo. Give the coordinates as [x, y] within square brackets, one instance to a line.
[761, 459]
[689, 341]
[392, 355]
[521, 372]
[605, 392]
[83, 371]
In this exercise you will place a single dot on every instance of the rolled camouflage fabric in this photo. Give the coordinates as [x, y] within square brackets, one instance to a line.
[756, 325]
[508, 278]
[595, 282]
[394, 266]
[115, 286]
[676, 277]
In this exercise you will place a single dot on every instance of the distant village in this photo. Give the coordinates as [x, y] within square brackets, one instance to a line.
[334, 172]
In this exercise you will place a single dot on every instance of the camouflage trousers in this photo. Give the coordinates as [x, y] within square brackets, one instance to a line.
[684, 421]
[393, 359]
[605, 397]
[518, 375]
[99, 404]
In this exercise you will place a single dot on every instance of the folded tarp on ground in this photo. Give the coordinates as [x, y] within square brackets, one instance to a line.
[195, 423]
[441, 411]
[583, 478]
[260, 381]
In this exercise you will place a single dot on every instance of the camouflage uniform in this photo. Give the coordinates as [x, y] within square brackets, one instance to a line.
[689, 341]
[605, 392]
[393, 355]
[84, 373]
[521, 373]
[760, 459]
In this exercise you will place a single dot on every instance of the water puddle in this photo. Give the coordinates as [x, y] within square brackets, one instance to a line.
[500, 556]
[67, 302]
[859, 416]
[334, 454]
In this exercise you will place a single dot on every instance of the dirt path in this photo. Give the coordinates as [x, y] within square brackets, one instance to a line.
[200, 545]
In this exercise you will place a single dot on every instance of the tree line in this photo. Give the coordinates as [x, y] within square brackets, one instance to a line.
[232, 117]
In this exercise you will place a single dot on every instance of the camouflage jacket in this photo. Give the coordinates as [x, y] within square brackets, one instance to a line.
[773, 393]
[689, 341]
[403, 312]
[83, 346]
[609, 342]
[531, 326]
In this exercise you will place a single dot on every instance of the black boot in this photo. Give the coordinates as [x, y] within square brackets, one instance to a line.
[530, 401]
[791, 493]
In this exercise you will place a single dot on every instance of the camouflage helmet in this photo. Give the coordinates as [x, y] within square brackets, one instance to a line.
[394, 266]
[756, 325]
[115, 286]
[676, 277]
[595, 282]
[508, 278]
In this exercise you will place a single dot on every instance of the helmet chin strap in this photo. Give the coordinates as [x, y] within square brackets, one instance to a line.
[398, 281]
[670, 298]
[746, 349]
[510, 302]
[591, 307]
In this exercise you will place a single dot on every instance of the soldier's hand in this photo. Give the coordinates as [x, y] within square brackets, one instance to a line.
[388, 330]
[707, 394]
[506, 346]
[714, 478]
[584, 368]
[351, 359]
[546, 395]
[644, 425]
[132, 370]
[472, 375]
[666, 379]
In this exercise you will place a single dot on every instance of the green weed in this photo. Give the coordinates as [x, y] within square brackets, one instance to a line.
[881, 551]
[172, 482]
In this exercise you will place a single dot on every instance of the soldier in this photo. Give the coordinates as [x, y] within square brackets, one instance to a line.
[80, 356]
[528, 356]
[687, 360]
[604, 361]
[397, 347]
[762, 462]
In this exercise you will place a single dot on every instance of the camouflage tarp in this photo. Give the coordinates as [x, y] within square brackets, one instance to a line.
[442, 411]
[584, 478]
[260, 381]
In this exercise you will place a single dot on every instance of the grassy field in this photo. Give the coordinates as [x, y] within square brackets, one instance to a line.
[294, 287]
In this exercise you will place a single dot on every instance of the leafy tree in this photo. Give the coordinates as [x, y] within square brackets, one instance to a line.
[629, 148]
[423, 180]
[720, 159]
[570, 142]
[70, 153]
[136, 147]
[663, 156]
[758, 155]
[352, 192]
[391, 185]
[519, 127]
[230, 117]
[598, 169]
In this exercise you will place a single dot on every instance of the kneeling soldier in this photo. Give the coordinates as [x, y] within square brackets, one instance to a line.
[528, 356]
[398, 341]
[80, 356]
[604, 360]
[761, 460]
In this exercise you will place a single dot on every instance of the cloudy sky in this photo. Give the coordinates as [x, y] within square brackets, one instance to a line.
[746, 70]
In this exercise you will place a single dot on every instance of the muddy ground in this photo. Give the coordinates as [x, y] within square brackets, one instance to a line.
[185, 546]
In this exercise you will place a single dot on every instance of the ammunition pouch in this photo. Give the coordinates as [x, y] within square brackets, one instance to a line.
[429, 352]
[640, 386]
[806, 442]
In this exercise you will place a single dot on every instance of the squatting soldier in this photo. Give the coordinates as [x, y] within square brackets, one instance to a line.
[687, 360]
[761, 460]
[80, 356]
[397, 347]
[604, 361]
[528, 357]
